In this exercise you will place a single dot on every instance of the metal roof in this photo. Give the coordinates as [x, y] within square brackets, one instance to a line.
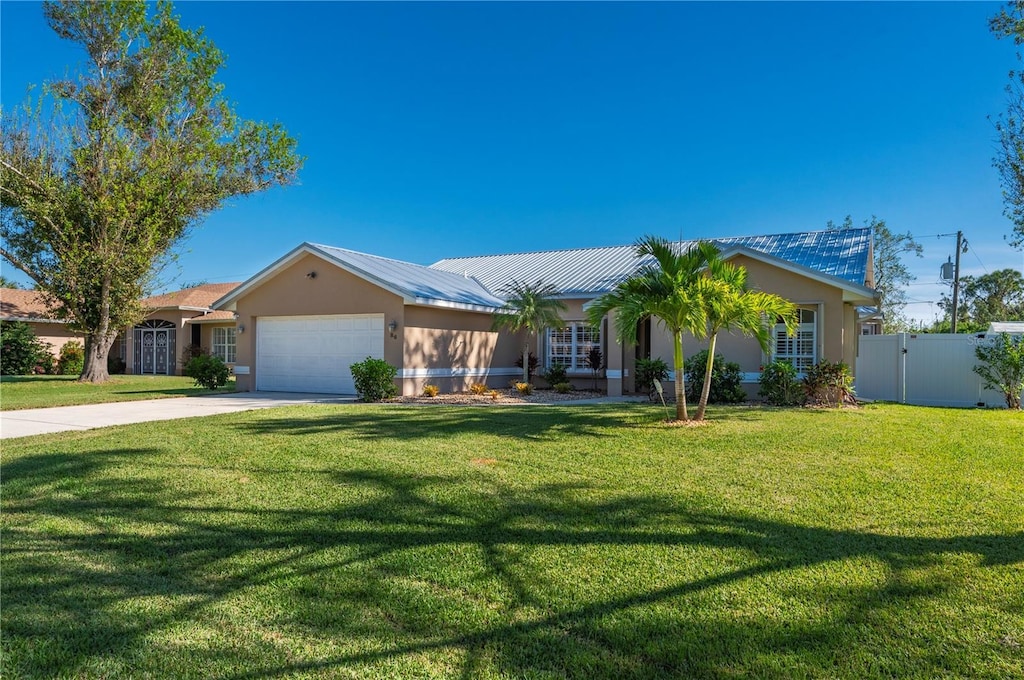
[1006, 327]
[838, 252]
[580, 271]
[413, 281]
[842, 253]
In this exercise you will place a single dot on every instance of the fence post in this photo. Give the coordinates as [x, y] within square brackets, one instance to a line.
[903, 367]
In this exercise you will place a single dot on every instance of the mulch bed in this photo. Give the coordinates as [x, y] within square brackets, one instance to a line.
[506, 396]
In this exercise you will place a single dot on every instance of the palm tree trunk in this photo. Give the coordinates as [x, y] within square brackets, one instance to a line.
[526, 362]
[680, 386]
[706, 390]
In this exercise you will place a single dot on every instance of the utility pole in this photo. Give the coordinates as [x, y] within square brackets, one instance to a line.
[956, 276]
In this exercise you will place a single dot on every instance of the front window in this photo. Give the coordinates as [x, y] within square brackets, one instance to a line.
[800, 349]
[224, 344]
[570, 345]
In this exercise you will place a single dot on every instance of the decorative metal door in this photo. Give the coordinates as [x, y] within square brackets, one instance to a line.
[148, 351]
[155, 347]
[161, 352]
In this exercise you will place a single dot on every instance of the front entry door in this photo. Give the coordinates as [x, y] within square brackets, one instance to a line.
[160, 358]
[149, 351]
[154, 349]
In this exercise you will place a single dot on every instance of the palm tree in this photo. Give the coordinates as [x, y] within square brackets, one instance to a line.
[729, 306]
[670, 288]
[531, 308]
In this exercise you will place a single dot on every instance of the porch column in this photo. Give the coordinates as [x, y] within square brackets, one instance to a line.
[613, 358]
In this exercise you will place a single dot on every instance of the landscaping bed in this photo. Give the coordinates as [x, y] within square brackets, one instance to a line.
[501, 397]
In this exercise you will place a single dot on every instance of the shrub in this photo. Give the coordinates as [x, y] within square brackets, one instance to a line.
[725, 379]
[649, 371]
[207, 371]
[524, 389]
[375, 379]
[1002, 367]
[533, 364]
[478, 388]
[555, 374]
[46, 365]
[829, 384]
[780, 386]
[115, 365]
[191, 352]
[21, 352]
[595, 362]
[562, 387]
[494, 395]
[72, 358]
[430, 391]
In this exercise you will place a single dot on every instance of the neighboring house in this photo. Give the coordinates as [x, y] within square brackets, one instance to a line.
[1006, 327]
[303, 320]
[174, 321]
[30, 306]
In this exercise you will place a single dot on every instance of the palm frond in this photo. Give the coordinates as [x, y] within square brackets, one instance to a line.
[530, 307]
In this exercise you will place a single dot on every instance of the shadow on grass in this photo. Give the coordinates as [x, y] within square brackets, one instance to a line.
[430, 422]
[420, 565]
[175, 392]
[438, 422]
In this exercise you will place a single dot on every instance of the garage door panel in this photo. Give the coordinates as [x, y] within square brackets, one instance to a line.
[313, 354]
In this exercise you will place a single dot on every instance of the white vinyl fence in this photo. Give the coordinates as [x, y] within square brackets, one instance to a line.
[927, 369]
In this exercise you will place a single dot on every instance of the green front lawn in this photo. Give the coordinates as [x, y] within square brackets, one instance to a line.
[43, 391]
[582, 541]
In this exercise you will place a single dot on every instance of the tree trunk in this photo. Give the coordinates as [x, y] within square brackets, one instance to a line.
[526, 362]
[706, 390]
[98, 342]
[97, 349]
[680, 385]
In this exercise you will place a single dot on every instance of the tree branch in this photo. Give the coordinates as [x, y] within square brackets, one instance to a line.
[45, 218]
[7, 255]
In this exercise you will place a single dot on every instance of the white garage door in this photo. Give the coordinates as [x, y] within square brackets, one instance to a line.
[313, 353]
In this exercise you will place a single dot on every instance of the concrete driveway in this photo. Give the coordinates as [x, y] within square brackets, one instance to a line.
[67, 418]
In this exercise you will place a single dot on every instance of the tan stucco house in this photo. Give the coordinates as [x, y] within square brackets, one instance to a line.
[174, 322]
[30, 307]
[304, 319]
[156, 345]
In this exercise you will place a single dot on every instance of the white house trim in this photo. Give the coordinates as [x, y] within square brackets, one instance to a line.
[456, 372]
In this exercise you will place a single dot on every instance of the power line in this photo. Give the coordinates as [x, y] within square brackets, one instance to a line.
[975, 253]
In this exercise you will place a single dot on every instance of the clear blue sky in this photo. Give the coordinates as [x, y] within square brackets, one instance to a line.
[438, 130]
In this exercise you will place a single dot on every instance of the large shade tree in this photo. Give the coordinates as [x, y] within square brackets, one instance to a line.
[1009, 159]
[104, 172]
[731, 306]
[670, 287]
[531, 308]
[995, 296]
[892, 276]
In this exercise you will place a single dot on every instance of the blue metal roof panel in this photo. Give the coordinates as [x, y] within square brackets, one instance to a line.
[589, 271]
[414, 280]
[839, 252]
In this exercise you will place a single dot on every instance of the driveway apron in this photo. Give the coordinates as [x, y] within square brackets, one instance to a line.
[69, 418]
